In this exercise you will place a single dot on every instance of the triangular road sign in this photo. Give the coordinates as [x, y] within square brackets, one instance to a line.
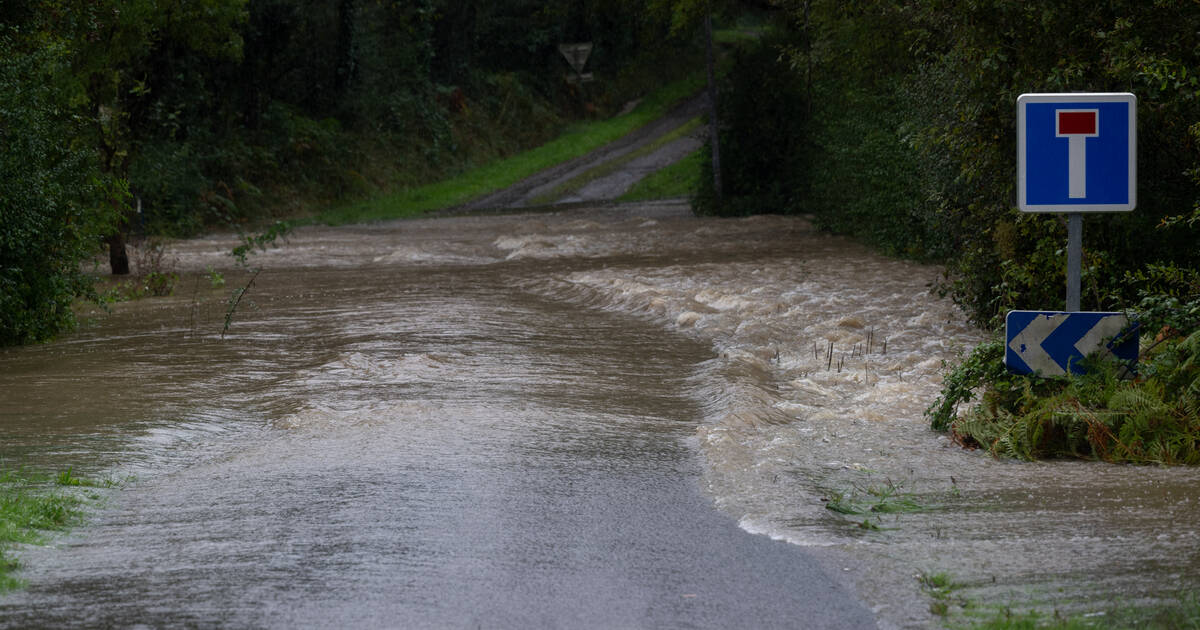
[576, 54]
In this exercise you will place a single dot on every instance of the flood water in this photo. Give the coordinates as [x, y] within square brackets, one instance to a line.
[605, 417]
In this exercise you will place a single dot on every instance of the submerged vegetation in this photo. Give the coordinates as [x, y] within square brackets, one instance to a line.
[873, 503]
[33, 505]
[1178, 611]
[1184, 615]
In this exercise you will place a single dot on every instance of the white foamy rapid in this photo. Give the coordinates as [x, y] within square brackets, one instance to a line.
[827, 357]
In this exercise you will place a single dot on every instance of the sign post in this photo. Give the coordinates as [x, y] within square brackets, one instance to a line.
[1076, 153]
[1074, 258]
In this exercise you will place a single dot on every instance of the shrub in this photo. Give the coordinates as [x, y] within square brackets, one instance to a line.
[763, 140]
[52, 211]
[1104, 414]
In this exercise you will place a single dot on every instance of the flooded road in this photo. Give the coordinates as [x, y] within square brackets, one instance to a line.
[608, 417]
[390, 445]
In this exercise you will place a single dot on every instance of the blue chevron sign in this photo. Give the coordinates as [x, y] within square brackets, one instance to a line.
[1050, 343]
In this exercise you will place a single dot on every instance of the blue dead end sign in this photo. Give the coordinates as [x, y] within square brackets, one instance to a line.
[1050, 343]
[1077, 152]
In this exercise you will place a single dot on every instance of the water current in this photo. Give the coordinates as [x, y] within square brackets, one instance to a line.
[604, 417]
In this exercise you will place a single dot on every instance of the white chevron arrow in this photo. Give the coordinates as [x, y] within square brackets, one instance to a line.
[1028, 344]
[1104, 330]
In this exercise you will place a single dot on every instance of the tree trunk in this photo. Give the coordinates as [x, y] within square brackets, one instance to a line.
[118, 258]
[714, 135]
[347, 64]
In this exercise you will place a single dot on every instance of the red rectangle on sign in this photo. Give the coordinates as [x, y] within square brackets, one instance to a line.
[1076, 123]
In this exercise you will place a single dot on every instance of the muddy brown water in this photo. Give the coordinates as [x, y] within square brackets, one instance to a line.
[609, 417]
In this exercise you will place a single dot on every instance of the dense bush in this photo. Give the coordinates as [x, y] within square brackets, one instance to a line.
[963, 122]
[764, 144]
[908, 139]
[49, 191]
[1143, 413]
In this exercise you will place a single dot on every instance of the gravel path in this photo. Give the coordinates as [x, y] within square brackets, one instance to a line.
[611, 185]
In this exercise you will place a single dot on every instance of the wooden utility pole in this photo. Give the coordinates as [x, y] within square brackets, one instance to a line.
[714, 136]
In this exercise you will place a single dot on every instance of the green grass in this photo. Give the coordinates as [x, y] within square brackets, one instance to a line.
[32, 505]
[681, 179]
[578, 139]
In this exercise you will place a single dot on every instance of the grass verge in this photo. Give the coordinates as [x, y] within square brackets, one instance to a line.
[1153, 418]
[576, 141]
[33, 505]
[681, 179]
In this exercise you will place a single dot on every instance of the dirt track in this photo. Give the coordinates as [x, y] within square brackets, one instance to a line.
[609, 185]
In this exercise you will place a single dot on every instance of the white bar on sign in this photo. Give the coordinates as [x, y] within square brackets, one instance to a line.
[1076, 167]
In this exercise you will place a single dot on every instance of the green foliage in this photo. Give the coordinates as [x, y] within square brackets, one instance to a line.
[961, 99]
[1104, 414]
[260, 241]
[763, 141]
[51, 209]
[909, 139]
[859, 179]
[985, 364]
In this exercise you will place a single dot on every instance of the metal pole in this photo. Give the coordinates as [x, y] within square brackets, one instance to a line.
[1074, 258]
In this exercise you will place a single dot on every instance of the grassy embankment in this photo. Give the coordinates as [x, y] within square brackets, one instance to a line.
[578, 140]
[33, 505]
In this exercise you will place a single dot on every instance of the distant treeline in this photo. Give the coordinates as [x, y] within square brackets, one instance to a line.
[895, 121]
[126, 117]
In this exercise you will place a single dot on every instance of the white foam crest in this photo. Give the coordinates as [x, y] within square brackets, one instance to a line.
[319, 417]
[357, 368]
[764, 527]
[544, 246]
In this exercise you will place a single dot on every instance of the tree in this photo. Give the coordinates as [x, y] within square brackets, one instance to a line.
[50, 221]
[112, 45]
